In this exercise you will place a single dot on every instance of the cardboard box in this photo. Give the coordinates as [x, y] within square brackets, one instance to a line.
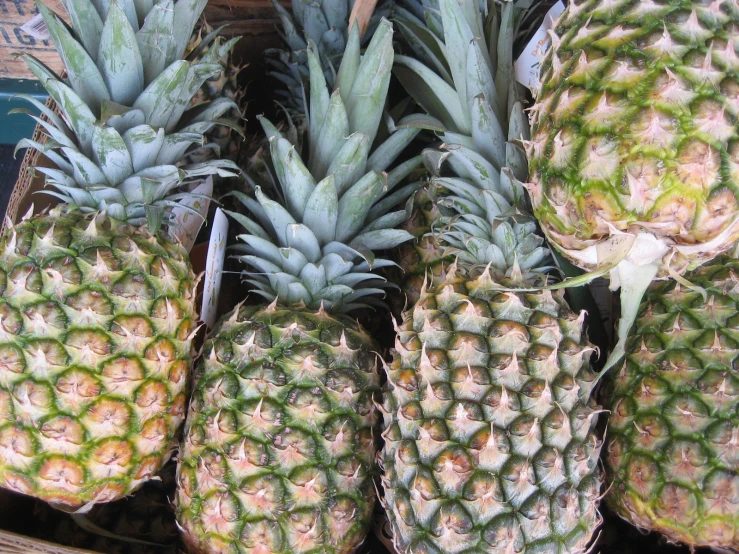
[13, 14]
[256, 20]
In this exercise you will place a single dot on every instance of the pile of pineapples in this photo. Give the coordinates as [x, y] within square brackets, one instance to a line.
[405, 163]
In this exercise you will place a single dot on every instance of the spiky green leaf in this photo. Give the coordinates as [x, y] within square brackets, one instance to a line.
[111, 154]
[87, 24]
[156, 39]
[356, 203]
[322, 209]
[302, 238]
[331, 137]
[119, 58]
[382, 239]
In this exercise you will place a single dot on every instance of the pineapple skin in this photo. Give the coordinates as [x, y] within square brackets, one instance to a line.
[673, 437]
[490, 441]
[279, 448]
[421, 260]
[635, 129]
[146, 515]
[95, 356]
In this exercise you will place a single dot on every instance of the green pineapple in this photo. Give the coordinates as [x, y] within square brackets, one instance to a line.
[634, 153]
[98, 304]
[634, 157]
[673, 436]
[490, 440]
[280, 441]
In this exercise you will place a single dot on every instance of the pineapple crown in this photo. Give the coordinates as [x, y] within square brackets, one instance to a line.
[471, 99]
[325, 24]
[470, 96]
[315, 246]
[124, 126]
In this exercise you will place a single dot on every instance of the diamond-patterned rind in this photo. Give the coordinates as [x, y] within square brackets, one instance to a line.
[673, 435]
[490, 442]
[95, 352]
[280, 440]
[636, 125]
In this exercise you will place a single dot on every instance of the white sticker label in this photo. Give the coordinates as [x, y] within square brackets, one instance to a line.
[528, 64]
[214, 269]
[186, 224]
[36, 27]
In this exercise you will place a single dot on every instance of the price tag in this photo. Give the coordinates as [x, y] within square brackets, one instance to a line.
[528, 64]
[214, 269]
[36, 27]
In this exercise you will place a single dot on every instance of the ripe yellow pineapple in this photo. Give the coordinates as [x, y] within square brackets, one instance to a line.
[634, 140]
[97, 301]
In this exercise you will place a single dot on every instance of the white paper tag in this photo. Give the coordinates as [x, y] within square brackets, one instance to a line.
[36, 27]
[186, 224]
[214, 269]
[528, 63]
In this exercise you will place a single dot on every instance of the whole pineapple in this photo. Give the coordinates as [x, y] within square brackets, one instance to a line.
[97, 303]
[634, 150]
[475, 116]
[673, 436]
[279, 448]
[490, 442]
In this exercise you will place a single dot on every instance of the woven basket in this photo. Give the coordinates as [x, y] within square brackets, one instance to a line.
[29, 182]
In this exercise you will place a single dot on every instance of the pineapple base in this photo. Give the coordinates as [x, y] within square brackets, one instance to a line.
[490, 442]
[673, 445]
[279, 449]
[95, 352]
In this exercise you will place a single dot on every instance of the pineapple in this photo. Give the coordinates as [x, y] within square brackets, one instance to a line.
[98, 303]
[279, 448]
[463, 120]
[222, 141]
[634, 154]
[490, 440]
[673, 437]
